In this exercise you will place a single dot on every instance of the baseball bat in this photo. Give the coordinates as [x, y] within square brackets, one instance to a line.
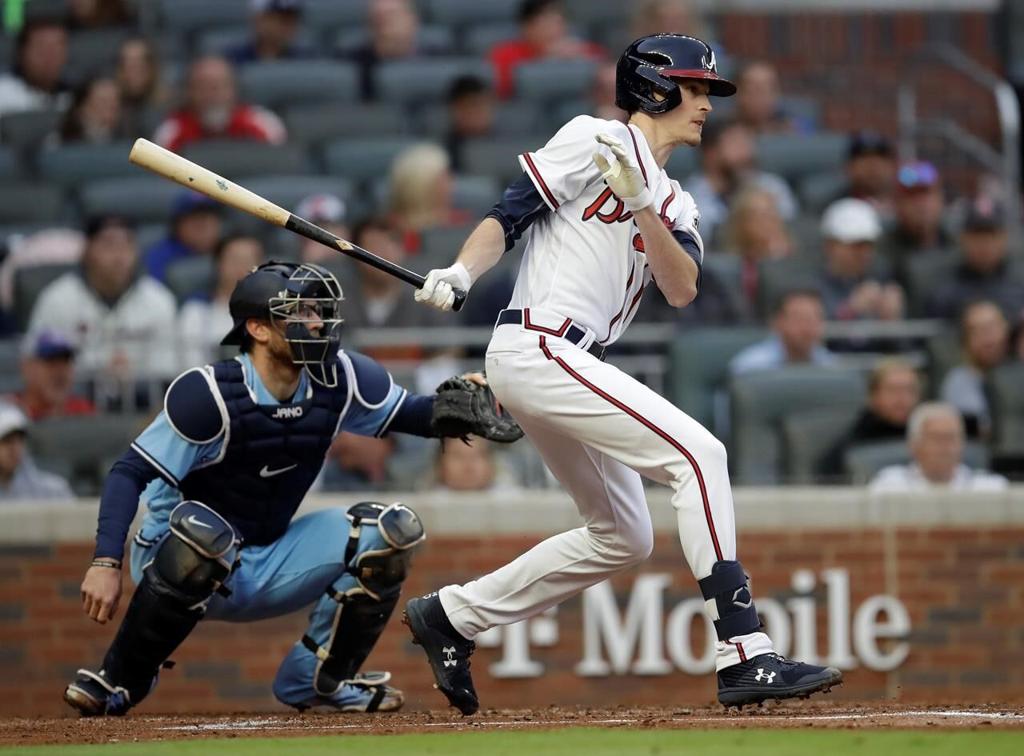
[170, 165]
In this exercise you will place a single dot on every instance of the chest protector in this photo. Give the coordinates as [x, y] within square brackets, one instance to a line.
[272, 455]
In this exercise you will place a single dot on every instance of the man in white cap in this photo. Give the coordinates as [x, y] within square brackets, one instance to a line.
[329, 212]
[20, 479]
[852, 285]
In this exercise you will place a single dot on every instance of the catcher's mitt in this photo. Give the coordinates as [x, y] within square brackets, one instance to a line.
[464, 408]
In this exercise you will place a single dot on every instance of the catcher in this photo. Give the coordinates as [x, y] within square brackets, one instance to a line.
[222, 471]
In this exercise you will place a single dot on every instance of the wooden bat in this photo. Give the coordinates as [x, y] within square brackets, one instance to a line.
[170, 165]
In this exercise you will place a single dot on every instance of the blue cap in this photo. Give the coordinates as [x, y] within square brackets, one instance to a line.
[48, 344]
[190, 202]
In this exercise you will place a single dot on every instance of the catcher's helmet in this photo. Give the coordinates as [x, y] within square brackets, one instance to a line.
[649, 65]
[293, 295]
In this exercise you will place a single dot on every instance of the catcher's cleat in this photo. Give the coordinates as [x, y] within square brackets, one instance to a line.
[446, 650]
[92, 695]
[366, 692]
[770, 676]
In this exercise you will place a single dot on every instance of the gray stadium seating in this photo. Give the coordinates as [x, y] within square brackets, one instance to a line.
[314, 125]
[436, 39]
[25, 131]
[593, 14]
[809, 436]
[10, 374]
[817, 190]
[554, 80]
[142, 198]
[324, 16]
[75, 164]
[760, 401]
[924, 272]
[190, 276]
[776, 277]
[1006, 403]
[22, 202]
[187, 16]
[363, 159]
[693, 381]
[480, 38]
[288, 190]
[499, 157]
[794, 156]
[425, 79]
[28, 283]
[510, 119]
[863, 461]
[233, 159]
[10, 165]
[458, 13]
[92, 52]
[294, 81]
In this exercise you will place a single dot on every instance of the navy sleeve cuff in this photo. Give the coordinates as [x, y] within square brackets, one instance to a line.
[413, 416]
[519, 206]
[124, 485]
[689, 245]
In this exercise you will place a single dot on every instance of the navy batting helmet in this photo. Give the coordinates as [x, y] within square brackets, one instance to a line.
[293, 295]
[649, 66]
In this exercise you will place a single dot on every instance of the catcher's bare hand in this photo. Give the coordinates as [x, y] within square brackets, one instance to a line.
[101, 591]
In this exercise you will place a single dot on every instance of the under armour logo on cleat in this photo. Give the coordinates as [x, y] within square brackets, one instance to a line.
[449, 651]
[770, 676]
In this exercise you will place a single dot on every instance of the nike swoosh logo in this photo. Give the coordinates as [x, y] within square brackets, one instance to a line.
[266, 472]
[191, 520]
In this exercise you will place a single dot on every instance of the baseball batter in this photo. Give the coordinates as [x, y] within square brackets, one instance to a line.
[603, 221]
[223, 469]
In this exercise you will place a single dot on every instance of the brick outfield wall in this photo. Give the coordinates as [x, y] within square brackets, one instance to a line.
[963, 589]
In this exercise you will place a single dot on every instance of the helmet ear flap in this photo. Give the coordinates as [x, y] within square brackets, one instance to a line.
[658, 84]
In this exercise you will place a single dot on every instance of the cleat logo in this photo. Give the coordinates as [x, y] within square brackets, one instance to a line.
[449, 651]
[770, 677]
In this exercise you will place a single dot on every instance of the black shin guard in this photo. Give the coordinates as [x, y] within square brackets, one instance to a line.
[729, 587]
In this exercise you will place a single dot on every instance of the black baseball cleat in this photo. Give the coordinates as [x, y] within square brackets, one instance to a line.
[770, 676]
[92, 695]
[446, 650]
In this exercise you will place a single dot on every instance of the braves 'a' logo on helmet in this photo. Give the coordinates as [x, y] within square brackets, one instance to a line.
[709, 62]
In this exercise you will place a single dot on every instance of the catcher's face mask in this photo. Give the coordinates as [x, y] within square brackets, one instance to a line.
[308, 314]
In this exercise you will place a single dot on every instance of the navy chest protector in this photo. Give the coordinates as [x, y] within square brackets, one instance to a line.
[271, 455]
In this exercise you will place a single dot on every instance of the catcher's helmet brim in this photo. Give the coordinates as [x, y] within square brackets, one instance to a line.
[717, 86]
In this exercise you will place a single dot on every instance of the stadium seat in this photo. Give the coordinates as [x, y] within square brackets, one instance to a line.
[75, 164]
[325, 16]
[863, 461]
[28, 283]
[363, 159]
[480, 38]
[294, 81]
[10, 374]
[143, 199]
[30, 203]
[693, 383]
[794, 156]
[809, 436]
[424, 79]
[924, 273]
[510, 119]
[316, 124]
[83, 448]
[817, 190]
[554, 80]
[1006, 406]
[10, 165]
[682, 163]
[92, 52]
[760, 401]
[183, 17]
[6, 52]
[435, 39]
[590, 14]
[233, 159]
[289, 190]
[776, 277]
[498, 157]
[190, 276]
[441, 245]
[477, 194]
[460, 13]
[25, 131]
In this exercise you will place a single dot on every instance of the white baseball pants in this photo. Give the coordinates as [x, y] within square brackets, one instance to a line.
[599, 430]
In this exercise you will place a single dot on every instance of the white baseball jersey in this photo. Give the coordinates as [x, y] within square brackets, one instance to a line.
[585, 261]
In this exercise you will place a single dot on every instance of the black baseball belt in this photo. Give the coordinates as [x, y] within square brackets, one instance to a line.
[568, 330]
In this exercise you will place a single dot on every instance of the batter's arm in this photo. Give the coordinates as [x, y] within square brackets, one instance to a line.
[483, 249]
[675, 272]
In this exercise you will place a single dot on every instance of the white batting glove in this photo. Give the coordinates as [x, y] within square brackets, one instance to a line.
[622, 176]
[439, 288]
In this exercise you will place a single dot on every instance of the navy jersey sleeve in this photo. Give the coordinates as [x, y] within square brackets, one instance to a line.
[519, 206]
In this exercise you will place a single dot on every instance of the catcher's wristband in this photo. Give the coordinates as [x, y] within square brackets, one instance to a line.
[109, 563]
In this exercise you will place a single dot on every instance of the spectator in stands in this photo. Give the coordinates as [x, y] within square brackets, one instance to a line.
[123, 322]
[195, 230]
[984, 271]
[20, 479]
[602, 94]
[143, 93]
[798, 323]
[471, 115]
[205, 318]
[94, 116]
[894, 389]
[421, 193]
[543, 34]
[36, 82]
[850, 283]
[274, 33]
[47, 375]
[359, 463]
[756, 232]
[917, 225]
[759, 101]
[935, 435]
[472, 466]
[871, 171]
[330, 213]
[212, 111]
[394, 35]
[985, 336]
[96, 14]
[728, 163]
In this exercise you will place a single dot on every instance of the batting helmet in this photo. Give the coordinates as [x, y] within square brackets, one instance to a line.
[293, 295]
[649, 65]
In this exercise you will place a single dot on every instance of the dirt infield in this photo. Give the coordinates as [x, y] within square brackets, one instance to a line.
[873, 716]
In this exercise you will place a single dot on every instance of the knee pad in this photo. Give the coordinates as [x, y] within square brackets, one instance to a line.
[729, 587]
[196, 558]
[379, 559]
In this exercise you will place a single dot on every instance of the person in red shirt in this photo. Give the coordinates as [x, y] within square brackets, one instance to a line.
[544, 33]
[212, 111]
[47, 371]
